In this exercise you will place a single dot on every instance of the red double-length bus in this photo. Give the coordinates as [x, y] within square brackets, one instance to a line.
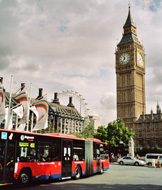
[25, 157]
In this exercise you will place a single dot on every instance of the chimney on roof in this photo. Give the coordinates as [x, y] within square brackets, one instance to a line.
[40, 95]
[56, 99]
[70, 102]
[1, 80]
[22, 86]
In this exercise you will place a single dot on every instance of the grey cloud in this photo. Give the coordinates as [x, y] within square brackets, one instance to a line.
[4, 62]
[108, 101]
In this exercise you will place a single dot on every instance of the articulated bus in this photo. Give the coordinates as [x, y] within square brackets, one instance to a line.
[25, 157]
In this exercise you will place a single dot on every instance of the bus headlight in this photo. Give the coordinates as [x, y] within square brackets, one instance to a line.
[16, 167]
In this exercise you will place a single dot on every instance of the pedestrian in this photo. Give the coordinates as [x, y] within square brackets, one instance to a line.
[112, 157]
[137, 156]
[118, 155]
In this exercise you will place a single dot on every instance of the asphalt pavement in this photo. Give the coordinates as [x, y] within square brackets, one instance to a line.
[116, 178]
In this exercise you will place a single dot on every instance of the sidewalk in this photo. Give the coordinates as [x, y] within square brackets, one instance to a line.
[114, 163]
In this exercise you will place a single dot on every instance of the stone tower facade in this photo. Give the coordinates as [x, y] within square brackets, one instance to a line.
[130, 75]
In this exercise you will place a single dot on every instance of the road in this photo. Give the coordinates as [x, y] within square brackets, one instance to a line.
[116, 178]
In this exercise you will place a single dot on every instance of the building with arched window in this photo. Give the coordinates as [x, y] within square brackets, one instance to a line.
[130, 88]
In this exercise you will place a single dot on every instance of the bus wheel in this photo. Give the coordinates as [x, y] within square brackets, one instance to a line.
[77, 172]
[102, 169]
[25, 177]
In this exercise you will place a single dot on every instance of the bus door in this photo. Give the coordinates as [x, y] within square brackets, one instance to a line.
[10, 161]
[66, 158]
[2, 159]
[7, 154]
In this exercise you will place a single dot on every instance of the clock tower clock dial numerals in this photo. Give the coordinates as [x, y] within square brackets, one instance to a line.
[124, 58]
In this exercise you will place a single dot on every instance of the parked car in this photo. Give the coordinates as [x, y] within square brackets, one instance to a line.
[153, 156]
[127, 160]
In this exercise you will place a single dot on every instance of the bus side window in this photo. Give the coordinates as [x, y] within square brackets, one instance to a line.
[96, 151]
[56, 150]
[103, 151]
[78, 154]
[78, 150]
[44, 152]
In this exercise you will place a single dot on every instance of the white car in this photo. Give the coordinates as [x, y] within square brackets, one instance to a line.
[131, 161]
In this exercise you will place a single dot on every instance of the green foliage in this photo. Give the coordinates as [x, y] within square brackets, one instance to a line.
[88, 131]
[50, 129]
[78, 135]
[116, 135]
[144, 150]
[101, 134]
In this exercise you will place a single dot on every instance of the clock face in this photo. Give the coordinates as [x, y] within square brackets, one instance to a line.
[124, 58]
[139, 59]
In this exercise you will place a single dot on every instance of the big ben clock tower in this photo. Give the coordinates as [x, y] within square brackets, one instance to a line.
[130, 75]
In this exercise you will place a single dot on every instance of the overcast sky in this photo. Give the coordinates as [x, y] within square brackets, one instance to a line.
[70, 44]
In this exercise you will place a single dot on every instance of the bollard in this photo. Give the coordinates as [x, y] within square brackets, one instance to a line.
[153, 163]
[158, 164]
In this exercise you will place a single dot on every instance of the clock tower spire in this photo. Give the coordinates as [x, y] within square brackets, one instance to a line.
[129, 21]
[130, 74]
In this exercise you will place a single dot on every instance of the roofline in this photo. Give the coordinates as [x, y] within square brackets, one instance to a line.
[57, 135]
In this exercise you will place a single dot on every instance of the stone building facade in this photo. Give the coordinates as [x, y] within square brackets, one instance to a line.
[148, 129]
[65, 119]
[130, 87]
[130, 74]
[94, 121]
[61, 118]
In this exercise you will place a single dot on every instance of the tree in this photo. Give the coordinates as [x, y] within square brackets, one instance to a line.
[88, 131]
[101, 134]
[78, 135]
[50, 129]
[116, 135]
